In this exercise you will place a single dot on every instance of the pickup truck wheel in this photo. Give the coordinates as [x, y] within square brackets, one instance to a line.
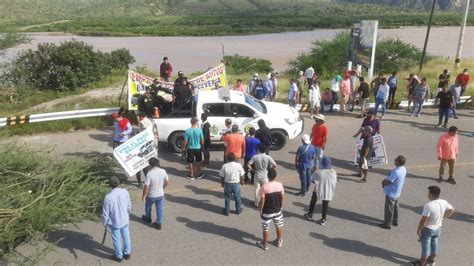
[279, 139]
[176, 142]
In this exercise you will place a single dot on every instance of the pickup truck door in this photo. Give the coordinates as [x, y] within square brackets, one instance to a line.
[216, 115]
[244, 116]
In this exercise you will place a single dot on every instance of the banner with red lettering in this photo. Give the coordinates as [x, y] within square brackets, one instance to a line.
[137, 83]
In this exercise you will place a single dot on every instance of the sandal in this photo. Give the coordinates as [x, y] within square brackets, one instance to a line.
[262, 246]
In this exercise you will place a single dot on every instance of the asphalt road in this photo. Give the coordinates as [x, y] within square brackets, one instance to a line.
[196, 232]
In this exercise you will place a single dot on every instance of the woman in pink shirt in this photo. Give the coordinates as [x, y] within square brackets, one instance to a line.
[447, 153]
[239, 86]
[345, 92]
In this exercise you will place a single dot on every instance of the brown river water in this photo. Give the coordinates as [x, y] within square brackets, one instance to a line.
[191, 54]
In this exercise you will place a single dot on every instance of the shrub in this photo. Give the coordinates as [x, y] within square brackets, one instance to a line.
[38, 193]
[237, 64]
[329, 57]
[67, 66]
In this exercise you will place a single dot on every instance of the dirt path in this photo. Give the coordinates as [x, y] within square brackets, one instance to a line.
[44, 24]
[107, 94]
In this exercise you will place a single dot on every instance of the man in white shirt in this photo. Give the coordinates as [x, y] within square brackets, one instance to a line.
[429, 227]
[155, 181]
[232, 176]
[309, 75]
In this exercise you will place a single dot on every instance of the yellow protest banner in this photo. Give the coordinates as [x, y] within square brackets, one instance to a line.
[137, 83]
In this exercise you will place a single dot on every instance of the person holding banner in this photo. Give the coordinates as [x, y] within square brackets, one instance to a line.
[123, 129]
[147, 124]
[166, 70]
[193, 141]
[365, 153]
[371, 121]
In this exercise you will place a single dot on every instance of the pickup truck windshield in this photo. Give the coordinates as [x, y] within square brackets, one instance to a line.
[255, 104]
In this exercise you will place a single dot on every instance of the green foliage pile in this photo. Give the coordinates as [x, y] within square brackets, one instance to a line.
[38, 193]
[237, 64]
[68, 66]
[329, 57]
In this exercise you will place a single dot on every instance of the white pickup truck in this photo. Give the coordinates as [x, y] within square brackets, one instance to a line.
[284, 122]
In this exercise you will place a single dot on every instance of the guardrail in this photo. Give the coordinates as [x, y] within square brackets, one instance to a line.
[430, 102]
[24, 119]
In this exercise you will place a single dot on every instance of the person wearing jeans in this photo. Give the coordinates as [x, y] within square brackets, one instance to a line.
[325, 184]
[445, 99]
[429, 227]
[304, 163]
[392, 186]
[382, 97]
[420, 94]
[232, 176]
[115, 215]
[153, 192]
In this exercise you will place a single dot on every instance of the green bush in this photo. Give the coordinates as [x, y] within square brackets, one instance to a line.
[67, 66]
[237, 64]
[329, 57]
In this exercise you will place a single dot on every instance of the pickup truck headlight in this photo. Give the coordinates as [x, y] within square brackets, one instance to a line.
[293, 120]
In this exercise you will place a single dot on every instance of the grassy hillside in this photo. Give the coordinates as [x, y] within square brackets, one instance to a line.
[201, 17]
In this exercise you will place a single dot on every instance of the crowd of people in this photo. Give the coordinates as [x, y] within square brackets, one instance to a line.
[247, 159]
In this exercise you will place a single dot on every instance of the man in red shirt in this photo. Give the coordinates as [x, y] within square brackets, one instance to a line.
[166, 70]
[235, 143]
[463, 79]
[319, 136]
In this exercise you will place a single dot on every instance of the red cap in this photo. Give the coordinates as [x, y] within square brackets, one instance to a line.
[115, 115]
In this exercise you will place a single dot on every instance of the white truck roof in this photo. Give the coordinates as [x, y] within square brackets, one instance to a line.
[221, 95]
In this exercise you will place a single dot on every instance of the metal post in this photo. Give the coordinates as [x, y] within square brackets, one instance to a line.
[457, 61]
[427, 35]
[374, 44]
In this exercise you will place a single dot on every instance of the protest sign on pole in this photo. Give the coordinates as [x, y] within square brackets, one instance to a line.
[379, 153]
[137, 84]
[134, 154]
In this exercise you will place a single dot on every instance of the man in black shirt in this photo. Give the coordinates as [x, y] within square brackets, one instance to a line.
[206, 131]
[181, 94]
[445, 99]
[363, 91]
[365, 152]
[443, 79]
[264, 135]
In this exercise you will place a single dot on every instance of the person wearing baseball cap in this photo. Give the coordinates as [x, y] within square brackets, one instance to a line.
[371, 121]
[115, 217]
[319, 137]
[304, 163]
[193, 141]
[123, 129]
[365, 153]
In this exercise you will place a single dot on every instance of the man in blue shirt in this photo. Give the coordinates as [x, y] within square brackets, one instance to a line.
[392, 187]
[193, 141]
[251, 146]
[115, 216]
[304, 163]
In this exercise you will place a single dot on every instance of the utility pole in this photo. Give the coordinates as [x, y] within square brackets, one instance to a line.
[457, 61]
[427, 35]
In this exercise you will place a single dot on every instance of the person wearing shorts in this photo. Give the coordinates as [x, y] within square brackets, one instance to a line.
[365, 153]
[193, 141]
[271, 202]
